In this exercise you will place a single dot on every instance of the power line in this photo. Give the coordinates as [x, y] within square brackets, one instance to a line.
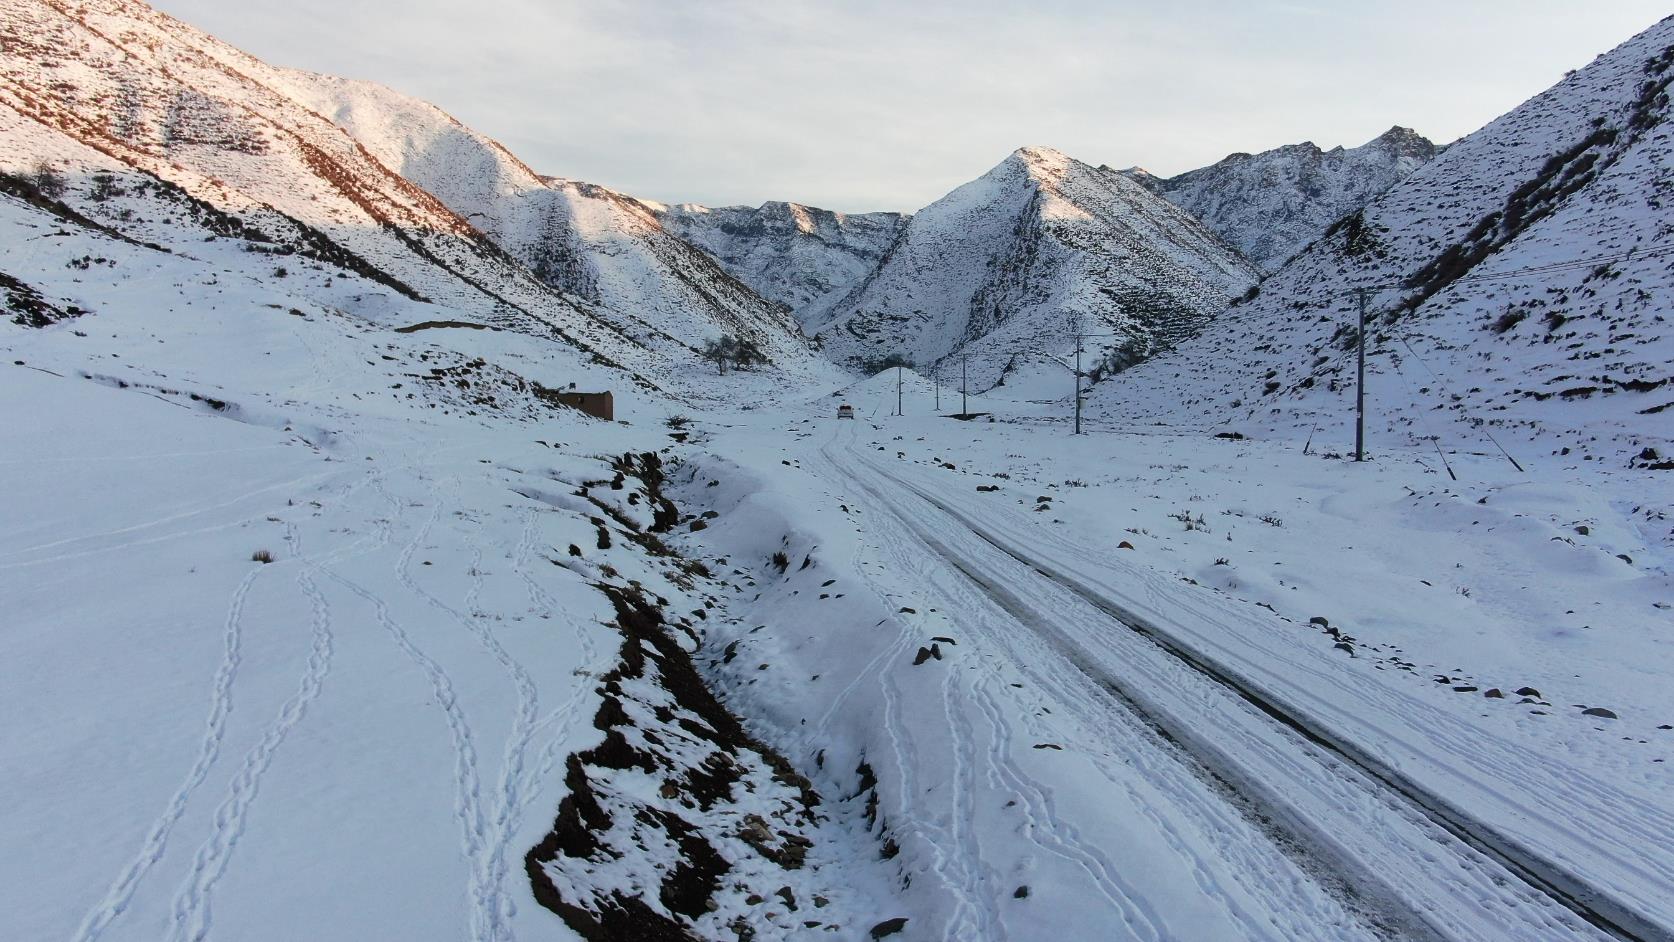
[1547, 268]
[1422, 420]
[1443, 386]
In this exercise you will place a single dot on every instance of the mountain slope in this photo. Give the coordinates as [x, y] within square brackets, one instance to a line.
[174, 122]
[801, 257]
[1000, 268]
[167, 136]
[1520, 281]
[585, 239]
[1271, 205]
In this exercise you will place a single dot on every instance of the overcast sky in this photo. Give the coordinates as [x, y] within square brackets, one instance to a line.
[863, 105]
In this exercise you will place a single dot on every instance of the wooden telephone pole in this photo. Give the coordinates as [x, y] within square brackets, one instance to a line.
[1360, 385]
[1078, 340]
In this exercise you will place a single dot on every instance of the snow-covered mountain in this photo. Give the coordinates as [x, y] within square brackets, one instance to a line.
[588, 240]
[1519, 283]
[1271, 205]
[1004, 266]
[166, 136]
[151, 131]
[802, 257]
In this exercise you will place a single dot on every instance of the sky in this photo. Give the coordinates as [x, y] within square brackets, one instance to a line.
[864, 105]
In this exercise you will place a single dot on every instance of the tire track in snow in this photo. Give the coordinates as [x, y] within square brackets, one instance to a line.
[1133, 912]
[121, 892]
[1442, 835]
[973, 915]
[1356, 885]
[1163, 768]
[1044, 827]
[1615, 827]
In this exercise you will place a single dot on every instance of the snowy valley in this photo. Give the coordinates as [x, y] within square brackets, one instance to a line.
[334, 608]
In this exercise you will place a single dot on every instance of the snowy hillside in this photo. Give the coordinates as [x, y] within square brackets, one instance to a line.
[1271, 205]
[1002, 267]
[168, 137]
[584, 239]
[146, 121]
[296, 589]
[804, 258]
[1517, 285]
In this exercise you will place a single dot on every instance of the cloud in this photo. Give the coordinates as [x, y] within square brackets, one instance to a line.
[864, 105]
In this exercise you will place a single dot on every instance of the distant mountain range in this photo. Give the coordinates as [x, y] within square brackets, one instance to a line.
[801, 257]
[1271, 205]
[127, 126]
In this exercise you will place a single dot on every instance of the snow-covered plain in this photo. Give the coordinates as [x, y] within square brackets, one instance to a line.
[1050, 772]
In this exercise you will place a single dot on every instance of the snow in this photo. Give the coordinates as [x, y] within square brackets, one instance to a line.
[1567, 364]
[587, 240]
[908, 547]
[1192, 675]
[802, 257]
[1272, 205]
[1004, 267]
[235, 741]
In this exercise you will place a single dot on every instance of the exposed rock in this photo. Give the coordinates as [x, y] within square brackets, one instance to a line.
[889, 927]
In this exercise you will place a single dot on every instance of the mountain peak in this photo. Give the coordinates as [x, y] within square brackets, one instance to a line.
[1041, 158]
[1406, 142]
[1039, 152]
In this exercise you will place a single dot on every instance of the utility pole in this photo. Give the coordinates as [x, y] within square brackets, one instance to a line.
[936, 378]
[1078, 384]
[964, 385]
[898, 389]
[1360, 386]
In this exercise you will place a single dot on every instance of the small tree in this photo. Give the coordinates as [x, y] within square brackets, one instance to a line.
[742, 353]
[746, 354]
[104, 187]
[47, 181]
[719, 352]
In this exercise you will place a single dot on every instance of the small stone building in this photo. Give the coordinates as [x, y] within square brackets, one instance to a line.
[599, 405]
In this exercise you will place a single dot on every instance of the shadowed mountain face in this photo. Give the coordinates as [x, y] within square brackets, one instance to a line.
[801, 257]
[1520, 281]
[1271, 205]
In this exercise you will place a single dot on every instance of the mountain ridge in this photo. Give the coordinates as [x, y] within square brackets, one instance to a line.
[1272, 204]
